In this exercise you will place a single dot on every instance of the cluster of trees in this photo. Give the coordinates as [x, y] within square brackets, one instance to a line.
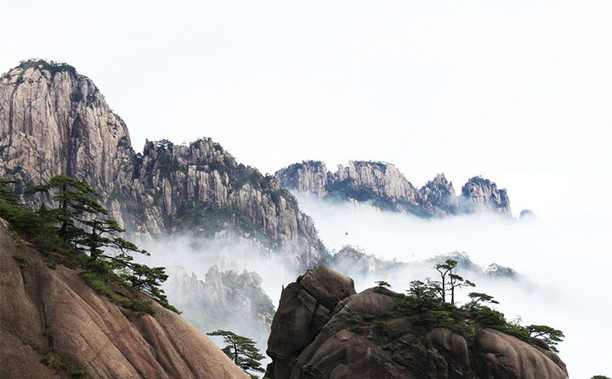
[76, 226]
[433, 303]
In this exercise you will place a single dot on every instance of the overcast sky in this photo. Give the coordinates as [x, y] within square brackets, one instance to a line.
[517, 91]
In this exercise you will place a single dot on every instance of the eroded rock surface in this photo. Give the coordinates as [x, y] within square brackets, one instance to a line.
[330, 343]
[53, 310]
[305, 307]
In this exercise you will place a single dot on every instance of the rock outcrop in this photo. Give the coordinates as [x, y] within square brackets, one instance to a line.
[55, 121]
[50, 318]
[305, 307]
[480, 194]
[384, 186]
[224, 300]
[333, 341]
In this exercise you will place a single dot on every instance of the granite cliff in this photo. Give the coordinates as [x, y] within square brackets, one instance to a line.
[324, 330]
[384, 186]
[53, 325]
[55, 121]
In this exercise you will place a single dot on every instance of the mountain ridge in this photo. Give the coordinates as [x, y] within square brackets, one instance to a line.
[384, 186]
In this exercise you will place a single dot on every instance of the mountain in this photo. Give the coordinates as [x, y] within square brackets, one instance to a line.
[384, 186]
[353, 261]
[323, 329]
[55, 121]
[53, 325]
[224, 300]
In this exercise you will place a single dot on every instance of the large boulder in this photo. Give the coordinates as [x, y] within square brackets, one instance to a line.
[363, 337]
[305, 307]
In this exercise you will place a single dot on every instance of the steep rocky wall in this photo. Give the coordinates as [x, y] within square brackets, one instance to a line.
[55, 121]
[53, 310]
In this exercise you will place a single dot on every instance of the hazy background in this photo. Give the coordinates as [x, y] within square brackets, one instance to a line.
[562, 260]
[519, 92]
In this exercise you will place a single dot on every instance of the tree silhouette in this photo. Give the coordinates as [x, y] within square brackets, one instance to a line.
[241, 350]
[550, 335]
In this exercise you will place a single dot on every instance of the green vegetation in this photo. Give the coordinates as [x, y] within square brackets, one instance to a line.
[54, 361]
[77, 232]
[51, 66]
[550, 335]
[450, 280]
[382, 284]
[242, 351]
[431, 304]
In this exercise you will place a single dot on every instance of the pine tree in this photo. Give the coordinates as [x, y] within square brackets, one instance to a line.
[241, 350]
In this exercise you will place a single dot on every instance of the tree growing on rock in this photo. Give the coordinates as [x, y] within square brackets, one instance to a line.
[241, 350]
[450, 280]
[549, 335]
[478, 298]
[83, 223]
[445, 269]
[382, 284]
[75, 200]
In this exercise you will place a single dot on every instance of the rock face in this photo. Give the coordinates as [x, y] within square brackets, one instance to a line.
[384, 186]
[54, 312]
[54, 121]
[329, 345]
[482, 195]
[224, 300]
[305, 307]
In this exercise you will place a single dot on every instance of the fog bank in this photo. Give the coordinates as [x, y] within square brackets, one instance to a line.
[563, 261]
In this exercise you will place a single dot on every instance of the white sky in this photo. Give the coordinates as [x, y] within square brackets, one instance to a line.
[517, 91]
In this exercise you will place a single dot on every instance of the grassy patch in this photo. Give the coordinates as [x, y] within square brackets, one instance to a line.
[54, 361]
[104, 284]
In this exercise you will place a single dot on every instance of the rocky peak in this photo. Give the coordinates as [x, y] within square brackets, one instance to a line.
[439, 194]
[384, 186]
[308, 176]
[382, 178]
[482, 195]
[54, 121]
